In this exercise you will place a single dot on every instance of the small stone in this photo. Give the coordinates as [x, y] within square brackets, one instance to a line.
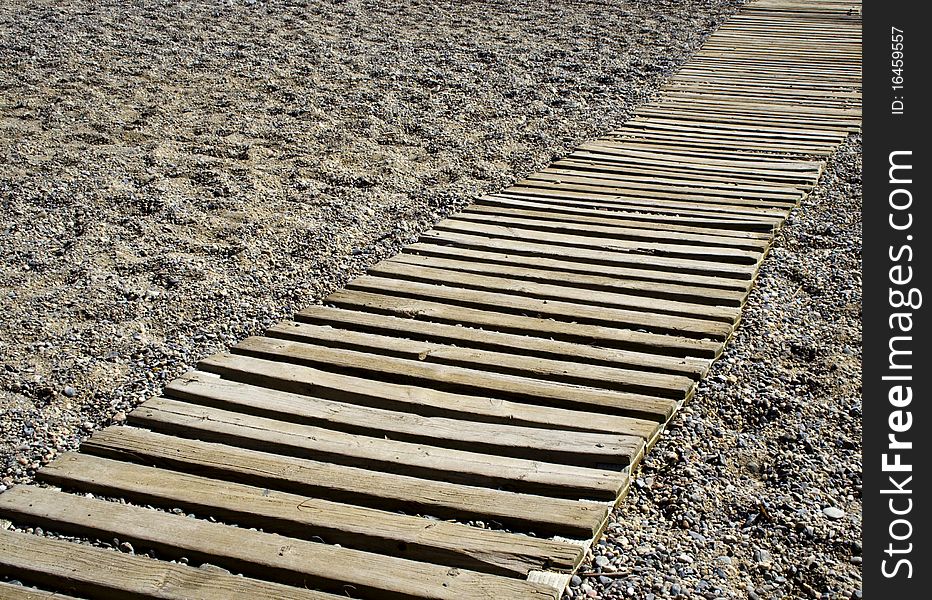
[575, 581]
[213, 569]
[833, 512]
[127, 548]
[69, 391]
[606, 581]
[601, 561]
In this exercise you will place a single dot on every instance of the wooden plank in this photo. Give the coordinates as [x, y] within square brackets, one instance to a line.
[593, 237]
[380, 532]
[267, 556]
[724, 226]
[522, 268]
[793, 170]
[758, 105]
[712, 144]
[567, 311]
[725, 118]
[613, 231]
[707, 146]
[681, 210]
[515, 244]
[589, 183]
[694, 193]
[347, 485]
[611, 378]
[623, 164]
[608, 337]
[420, 271]
[732, 186]
[111, 575]
[583, 217]
[667, 122]
[565, 447]
[426, 401]
[456, 379]
[224, 433]
[607, 197]
[468, 337]
[10, 591]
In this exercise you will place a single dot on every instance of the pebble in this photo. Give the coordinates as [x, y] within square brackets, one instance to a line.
[213, 568]
[833, 512]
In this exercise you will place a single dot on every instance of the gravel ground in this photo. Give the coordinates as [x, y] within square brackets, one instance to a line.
[754, 491]
[175, 176]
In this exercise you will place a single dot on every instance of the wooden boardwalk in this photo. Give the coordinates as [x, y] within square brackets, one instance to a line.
[459, 422]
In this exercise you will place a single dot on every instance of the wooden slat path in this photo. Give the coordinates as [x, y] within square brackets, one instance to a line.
[459, 422]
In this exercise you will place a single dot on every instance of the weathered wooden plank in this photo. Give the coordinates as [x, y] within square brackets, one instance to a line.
[608, 337]
[357, 486]
[291, 515]
[725, 186]
[624, 199]
[516, 245]
[671, 190]
[634, 240]
[713, 144]
[652, 210]
[566, 447]
[10, 591]
[269, 438]
[568, 310]
[611, 378]
[111, 575]
[268, 556]
[426, 401]
[621, 166]
[455, 379]
[666, 122]
[783, 171]
[585, 208]
[612, 231]
[421, 272]
[636, 282]
[468, 337]
[584, 218]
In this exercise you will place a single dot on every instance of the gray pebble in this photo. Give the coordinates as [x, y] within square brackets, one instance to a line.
[833, 512]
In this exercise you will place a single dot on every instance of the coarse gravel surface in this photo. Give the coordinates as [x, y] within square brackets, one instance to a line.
[175, 176]
[754, 490]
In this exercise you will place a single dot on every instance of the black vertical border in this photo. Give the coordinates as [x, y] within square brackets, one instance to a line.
[884, 248]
